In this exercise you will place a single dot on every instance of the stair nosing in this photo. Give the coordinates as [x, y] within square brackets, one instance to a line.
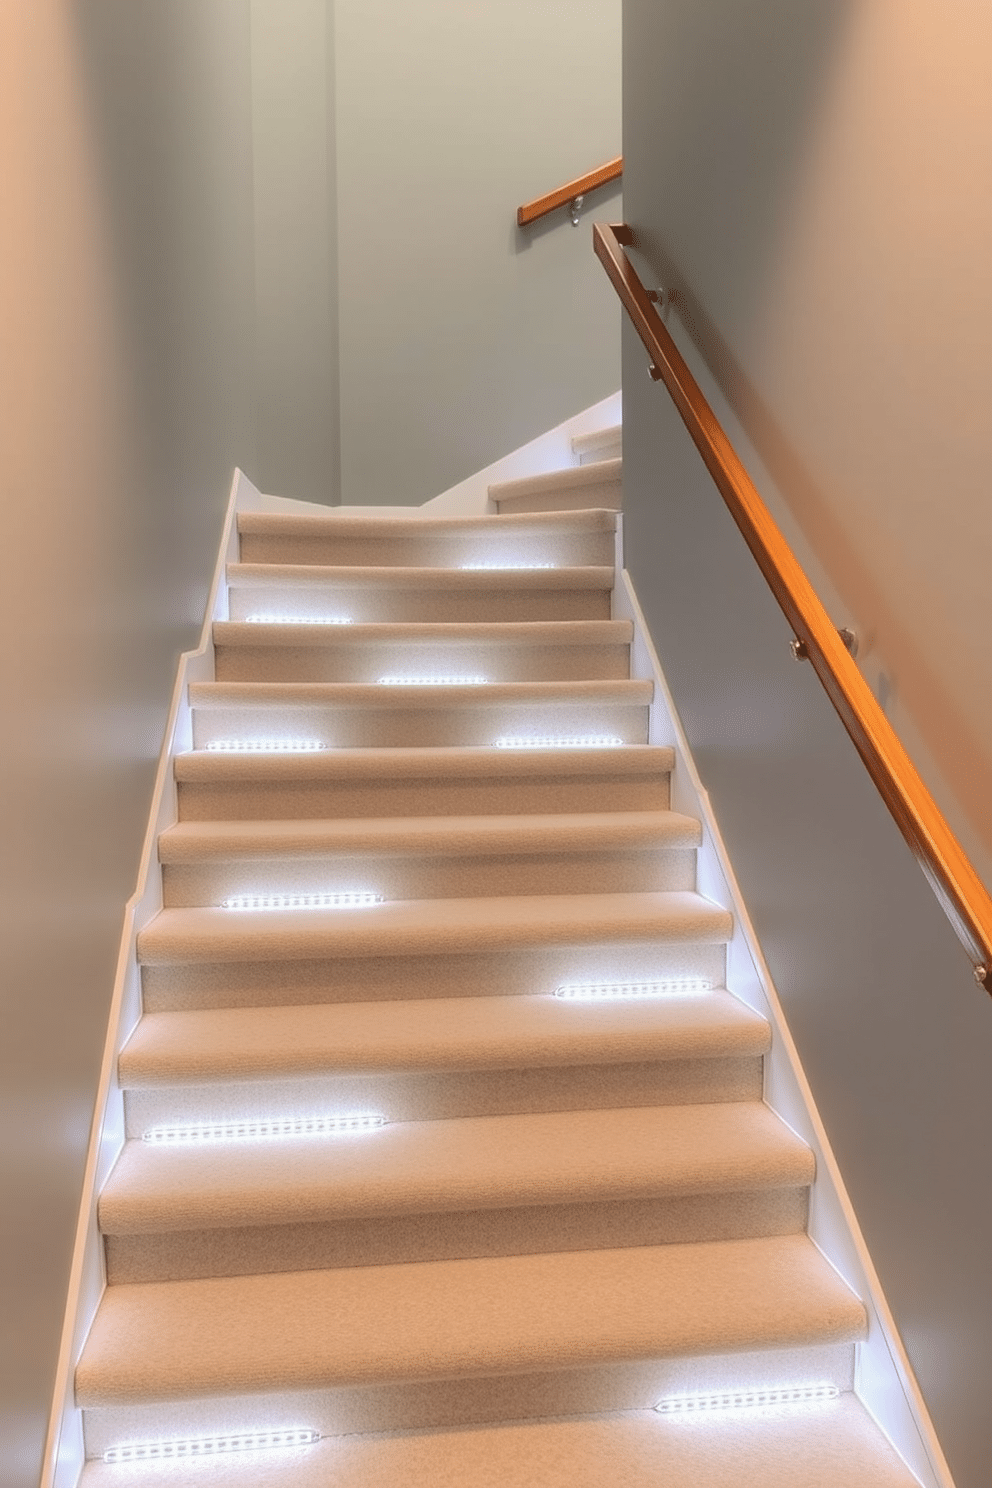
[432, 927]
[445, 1166]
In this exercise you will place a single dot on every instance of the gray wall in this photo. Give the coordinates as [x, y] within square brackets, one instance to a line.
[126, 311]
[807, 178]
[460, 336]
[294, 158]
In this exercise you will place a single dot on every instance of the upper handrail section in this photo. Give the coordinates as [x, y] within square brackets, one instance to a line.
[570, 195]
[960, 891]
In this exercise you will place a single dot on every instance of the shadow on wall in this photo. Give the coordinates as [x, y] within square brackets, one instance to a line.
[808, 189]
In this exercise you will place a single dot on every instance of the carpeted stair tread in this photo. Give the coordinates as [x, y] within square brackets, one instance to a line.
[342, 783]
[339, 524]
[432, 927]
[478, 632]
[596, 484]
[599, 444]
[304, 576]
[486, 1162]
[456, 1033]
[834, 1445]
[451, 836]
[456, 1319]
[423, 764]
[280, 695]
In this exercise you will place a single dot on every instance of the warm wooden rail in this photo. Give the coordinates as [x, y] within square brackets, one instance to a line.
[542, 205]
[957, 886]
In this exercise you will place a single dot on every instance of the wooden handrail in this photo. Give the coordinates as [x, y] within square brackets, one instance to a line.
[542, 205]
[961, 893]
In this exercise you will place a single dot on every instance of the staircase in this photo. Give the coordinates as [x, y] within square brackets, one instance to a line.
[383, 1190]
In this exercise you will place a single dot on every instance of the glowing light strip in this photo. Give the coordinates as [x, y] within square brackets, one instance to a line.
[261, 1131]
[265, 746]
[298, 620]
[505, 567]
[605, 991]
[346, 899]
[684, 1405]
[431, 681]
[552, 741]
[211, 1446]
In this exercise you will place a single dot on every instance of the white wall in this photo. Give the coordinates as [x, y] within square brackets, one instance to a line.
[812, 181]
[462, 337]
[126, 309]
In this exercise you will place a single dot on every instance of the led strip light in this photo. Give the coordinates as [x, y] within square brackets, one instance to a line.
[504, 567]
[431, 681]
[693, 1405]
[260, 1131]
[550, 741]
[347, 899]
[298, 620]
[611, 991]
[211, 1446]
[265, 746]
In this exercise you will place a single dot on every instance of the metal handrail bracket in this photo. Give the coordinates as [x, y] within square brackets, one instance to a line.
[960, 891]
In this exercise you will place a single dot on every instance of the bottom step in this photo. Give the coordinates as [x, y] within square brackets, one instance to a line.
[833, 1444]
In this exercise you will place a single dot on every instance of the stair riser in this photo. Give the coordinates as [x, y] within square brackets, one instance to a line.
[605, 497]
[309, 800]
[386, 978]
[373, 604]
[423, 876]
[392, 1407]
[432, 550]
[432, 1096]
[392, 727]
[367, 662]
[188, 1255]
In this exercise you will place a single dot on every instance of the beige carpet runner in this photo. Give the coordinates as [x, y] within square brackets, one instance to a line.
[447, 1158]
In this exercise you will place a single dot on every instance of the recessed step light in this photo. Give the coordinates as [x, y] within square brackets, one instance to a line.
[265, 746]
[746, 1400]
[346, 899]
[211, 1446]
[559, 741]
[608, 991]
[299, 620]
[261, 1131]
[431, 681]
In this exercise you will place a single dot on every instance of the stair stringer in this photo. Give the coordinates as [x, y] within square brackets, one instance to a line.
[64, 1456]
[884, 1379]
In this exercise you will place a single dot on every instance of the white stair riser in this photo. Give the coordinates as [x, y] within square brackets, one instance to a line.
[340, 660]
[517, 972]
[440, 1235]
[393, 726]
[431, 1096]
[379, 603]
[381, 797]
[425, 876]
[391, 1407]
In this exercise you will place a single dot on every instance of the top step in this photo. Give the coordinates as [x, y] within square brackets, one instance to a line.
[601, 444]
[596, 486]
[528, 540]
